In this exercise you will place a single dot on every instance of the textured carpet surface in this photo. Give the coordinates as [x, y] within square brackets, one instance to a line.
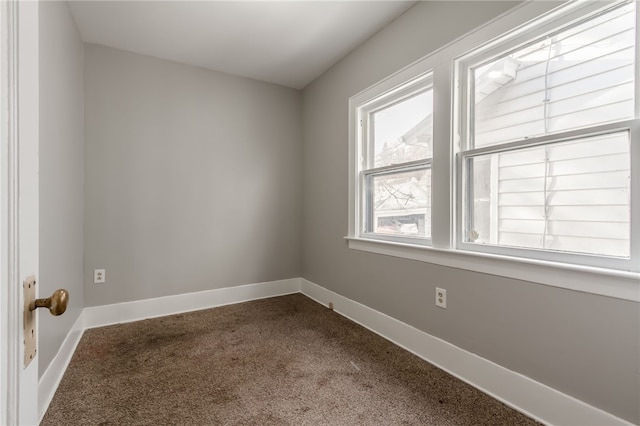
[280, 361]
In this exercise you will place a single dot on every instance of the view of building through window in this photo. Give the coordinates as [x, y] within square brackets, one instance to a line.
[571, 196]
[402, 203]
[567, 195]
[402, 133]
[579, 77]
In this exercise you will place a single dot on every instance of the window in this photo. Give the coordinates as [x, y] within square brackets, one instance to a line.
[546, 157]
[396, 132]
[513, 151]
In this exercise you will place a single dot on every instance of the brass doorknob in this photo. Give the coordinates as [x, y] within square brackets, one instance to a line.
[56, 304]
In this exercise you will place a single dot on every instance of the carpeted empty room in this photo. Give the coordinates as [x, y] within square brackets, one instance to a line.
[305, 212]
[280, 361]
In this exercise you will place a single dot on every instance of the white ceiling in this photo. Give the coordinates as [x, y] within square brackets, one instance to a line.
[283, 42]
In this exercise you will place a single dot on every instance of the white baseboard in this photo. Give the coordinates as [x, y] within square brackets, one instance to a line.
[100, 316]
[532, 398]
[49, 381]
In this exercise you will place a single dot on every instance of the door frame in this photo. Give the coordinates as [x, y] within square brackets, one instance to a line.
[9, 261]
[19, 233]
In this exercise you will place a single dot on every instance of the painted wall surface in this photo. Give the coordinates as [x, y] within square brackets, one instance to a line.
[581, 344]
[61, 172]
[192, 178]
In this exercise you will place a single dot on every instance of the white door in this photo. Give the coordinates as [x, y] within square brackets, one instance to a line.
[19, 204]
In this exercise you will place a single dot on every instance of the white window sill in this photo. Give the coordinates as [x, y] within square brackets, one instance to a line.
[605, 282]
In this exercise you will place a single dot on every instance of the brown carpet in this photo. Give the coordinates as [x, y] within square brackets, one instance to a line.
[280, 361]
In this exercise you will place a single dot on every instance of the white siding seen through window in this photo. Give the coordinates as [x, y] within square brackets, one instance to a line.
[571, 194]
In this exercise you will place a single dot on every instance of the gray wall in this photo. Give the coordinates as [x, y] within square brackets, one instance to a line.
[192, 178]
[61, 172]
[581, 344]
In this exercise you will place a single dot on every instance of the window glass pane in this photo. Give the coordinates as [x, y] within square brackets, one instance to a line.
[570, 196]
[403, 132]
[578, 77]
[402, 203]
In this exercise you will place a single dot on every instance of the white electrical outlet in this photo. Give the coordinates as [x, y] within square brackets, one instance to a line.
[441, 297]
[99, 276]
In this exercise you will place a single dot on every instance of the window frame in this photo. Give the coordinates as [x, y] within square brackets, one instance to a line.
[517, 25]
[402, 86]
[464, 104]
[366, 167]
